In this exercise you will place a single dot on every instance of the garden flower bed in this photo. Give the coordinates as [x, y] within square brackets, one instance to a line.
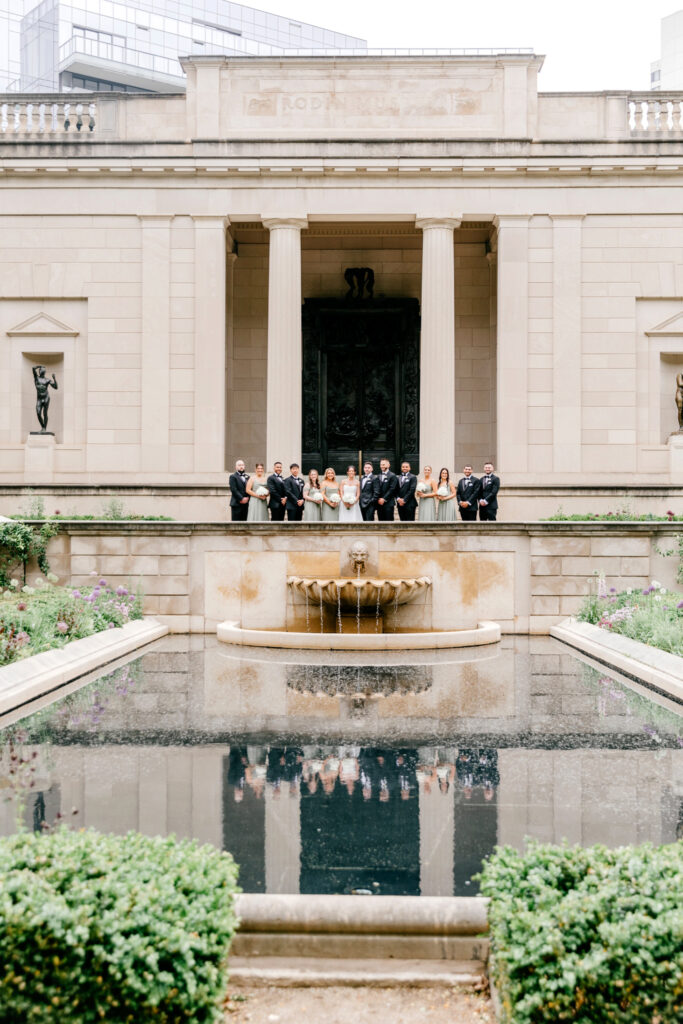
[653, 615]
[44, 616]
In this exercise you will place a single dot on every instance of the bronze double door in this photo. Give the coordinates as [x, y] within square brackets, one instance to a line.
[361, 382]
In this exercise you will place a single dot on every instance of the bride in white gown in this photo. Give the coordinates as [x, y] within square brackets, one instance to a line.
[349, 509]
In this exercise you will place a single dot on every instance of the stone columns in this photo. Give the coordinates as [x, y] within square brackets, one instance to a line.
[567, 361]
[209, 345]
[512, 346]
[437, 343]
[283, 393]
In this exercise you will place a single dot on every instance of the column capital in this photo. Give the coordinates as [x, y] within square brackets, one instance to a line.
[511, 220]
[273, 223]
[210, 220]
[424, 223]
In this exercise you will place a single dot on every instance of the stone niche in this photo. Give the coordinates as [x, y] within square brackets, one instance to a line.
[53, 363]
[51, 333]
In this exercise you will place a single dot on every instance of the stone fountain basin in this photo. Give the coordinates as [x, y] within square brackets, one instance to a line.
[354, 592]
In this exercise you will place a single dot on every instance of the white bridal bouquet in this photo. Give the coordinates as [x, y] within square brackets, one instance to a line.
[315, 494]
[423, 488]
[261, 492]
[443, 491]
[334, 498]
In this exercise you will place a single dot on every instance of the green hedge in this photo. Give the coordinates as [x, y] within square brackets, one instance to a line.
[587, 935]
[113, 929]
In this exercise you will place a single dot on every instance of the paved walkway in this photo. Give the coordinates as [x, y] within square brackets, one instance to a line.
[340, 1005]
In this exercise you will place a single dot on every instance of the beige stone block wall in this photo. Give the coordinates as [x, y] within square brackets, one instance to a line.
[526, 578]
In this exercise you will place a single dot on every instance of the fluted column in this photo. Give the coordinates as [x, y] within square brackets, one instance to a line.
[283, 395]
[437, 343]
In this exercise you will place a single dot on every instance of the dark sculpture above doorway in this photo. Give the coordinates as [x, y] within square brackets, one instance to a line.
[361, 282]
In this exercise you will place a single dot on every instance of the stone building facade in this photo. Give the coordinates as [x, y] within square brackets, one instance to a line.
[527, 252]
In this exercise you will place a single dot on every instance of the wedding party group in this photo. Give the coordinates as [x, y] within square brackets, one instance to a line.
[256, 497]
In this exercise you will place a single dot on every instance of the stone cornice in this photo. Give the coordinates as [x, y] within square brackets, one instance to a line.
[172, 171]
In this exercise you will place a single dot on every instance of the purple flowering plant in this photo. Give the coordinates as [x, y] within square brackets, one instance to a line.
[43, 616]
[652, 615]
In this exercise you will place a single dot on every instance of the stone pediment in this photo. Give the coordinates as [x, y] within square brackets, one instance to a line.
[671, 327]
[43, 325]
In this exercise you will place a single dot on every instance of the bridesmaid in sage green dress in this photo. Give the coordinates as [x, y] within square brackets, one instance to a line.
[447, 505]
[258, 503]
[329, 486]
[426, 497]
[312, 513]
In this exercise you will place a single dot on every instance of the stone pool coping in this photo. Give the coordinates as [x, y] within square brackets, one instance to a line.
[658, 670]
[38, 675]
[407, 915]
[486, 632]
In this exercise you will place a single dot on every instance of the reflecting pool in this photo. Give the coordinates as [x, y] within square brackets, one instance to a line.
[386, 773]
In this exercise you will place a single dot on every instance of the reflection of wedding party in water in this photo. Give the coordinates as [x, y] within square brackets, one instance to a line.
[357, 498]
[379, 774]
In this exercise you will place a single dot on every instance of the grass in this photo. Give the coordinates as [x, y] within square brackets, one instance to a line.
[38, 618]
[653, 615]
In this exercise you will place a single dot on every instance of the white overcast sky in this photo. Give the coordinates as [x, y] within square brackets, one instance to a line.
[588, 44]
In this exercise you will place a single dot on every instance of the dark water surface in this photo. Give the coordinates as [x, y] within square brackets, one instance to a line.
[374, 773]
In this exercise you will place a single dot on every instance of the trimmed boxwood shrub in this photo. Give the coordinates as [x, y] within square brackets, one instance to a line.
[587, 935]
[113, 928]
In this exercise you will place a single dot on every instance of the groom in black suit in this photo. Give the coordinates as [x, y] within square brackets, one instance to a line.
[278, 495]
[405, 497]
[294, 488]
[239, 499]
[467, 495]
[388, 488]
[488, 497]
[369, 492]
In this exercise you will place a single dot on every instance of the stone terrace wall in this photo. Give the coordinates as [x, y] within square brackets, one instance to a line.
[527, 577]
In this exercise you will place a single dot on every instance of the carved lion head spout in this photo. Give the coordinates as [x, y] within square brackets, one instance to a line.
[359, 554]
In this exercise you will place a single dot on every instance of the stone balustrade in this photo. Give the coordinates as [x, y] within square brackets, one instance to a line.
[655, 112]
[46, 115]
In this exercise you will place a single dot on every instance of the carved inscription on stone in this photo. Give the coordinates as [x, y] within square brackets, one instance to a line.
[439, 103]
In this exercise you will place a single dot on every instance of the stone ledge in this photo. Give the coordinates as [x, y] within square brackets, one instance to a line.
[320, 972]
[405, 915]
[657, 669]
[34, 677]
[486, 632]
[585, 528]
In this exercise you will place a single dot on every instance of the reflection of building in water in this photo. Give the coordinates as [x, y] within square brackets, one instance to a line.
[380, 680]
[410, 796]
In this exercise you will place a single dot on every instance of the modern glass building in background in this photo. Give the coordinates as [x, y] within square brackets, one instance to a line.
[667, 72]
[134, 45]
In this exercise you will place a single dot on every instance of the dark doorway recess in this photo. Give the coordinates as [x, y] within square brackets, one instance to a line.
[361, 382]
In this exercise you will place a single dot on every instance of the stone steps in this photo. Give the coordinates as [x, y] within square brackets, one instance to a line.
[312, 972]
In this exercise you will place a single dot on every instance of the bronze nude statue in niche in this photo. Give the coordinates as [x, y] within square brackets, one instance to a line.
[43, 384]
[361, 282]
[679, 400]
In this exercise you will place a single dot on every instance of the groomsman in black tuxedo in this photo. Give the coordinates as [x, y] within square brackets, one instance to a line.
[467, 495]
[405, 496]
[278, 495]
[369, 492]
[388, 488]
[488, 496]
[294, 488]
[239, 499]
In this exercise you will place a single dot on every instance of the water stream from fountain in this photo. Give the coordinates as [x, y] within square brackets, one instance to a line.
[377, 611]
[339, 615]
[321, 612]
[307, 623]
